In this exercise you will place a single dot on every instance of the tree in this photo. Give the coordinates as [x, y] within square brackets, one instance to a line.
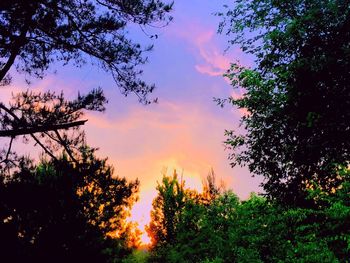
[225, 229]
[183, 221]
[297, 97]
[211, 190]
[166, 210]
[57, 212]
[46, 117]
[36, 34]
[203, 231]
[258, 230]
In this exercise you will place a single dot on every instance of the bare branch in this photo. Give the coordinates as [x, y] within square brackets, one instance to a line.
[69, 152]
[43, 147]
[43, 128]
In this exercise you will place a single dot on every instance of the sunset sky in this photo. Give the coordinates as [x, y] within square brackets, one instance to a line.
[185, 130]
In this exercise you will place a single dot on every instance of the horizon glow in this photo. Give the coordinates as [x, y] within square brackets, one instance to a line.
[185, 130]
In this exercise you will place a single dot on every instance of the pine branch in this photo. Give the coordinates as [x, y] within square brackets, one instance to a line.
[43, 128]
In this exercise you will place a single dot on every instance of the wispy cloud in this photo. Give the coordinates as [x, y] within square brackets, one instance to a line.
[212, 59]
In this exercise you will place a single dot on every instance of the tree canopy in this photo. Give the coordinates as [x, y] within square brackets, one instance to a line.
[56, 211]
[227, 229]
[70, 207]
[49, 119]
[166, 210]
[297, 97]
[35, 34]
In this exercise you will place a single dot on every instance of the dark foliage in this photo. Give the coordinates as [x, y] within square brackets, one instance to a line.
[55, 212]
[46, 118]
[297, 98]
[35, 34]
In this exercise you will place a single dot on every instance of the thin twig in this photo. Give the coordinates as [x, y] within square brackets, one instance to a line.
[66, 147]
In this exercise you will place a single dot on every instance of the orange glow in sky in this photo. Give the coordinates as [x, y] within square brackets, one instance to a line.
[185, 130]
[140, 212]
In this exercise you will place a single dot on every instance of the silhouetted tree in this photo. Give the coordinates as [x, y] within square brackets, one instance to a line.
[297, 98]
[35, 34]
[57, 212]
[45, 118]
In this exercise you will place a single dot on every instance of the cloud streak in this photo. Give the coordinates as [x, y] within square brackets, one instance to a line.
[211, 57]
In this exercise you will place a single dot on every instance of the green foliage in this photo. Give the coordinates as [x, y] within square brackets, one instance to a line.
[177, 218]
[202, 231]
[137, 256]
[258, 230]
[297, 97]
[166, 211]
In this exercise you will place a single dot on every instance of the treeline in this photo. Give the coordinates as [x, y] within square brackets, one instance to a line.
[296, 118]
[56, 211]
[215, 226]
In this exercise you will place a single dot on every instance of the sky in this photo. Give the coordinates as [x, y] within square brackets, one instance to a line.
[185, 129]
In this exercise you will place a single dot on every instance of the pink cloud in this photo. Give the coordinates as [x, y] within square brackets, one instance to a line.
[208, 70]
[206, 46]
